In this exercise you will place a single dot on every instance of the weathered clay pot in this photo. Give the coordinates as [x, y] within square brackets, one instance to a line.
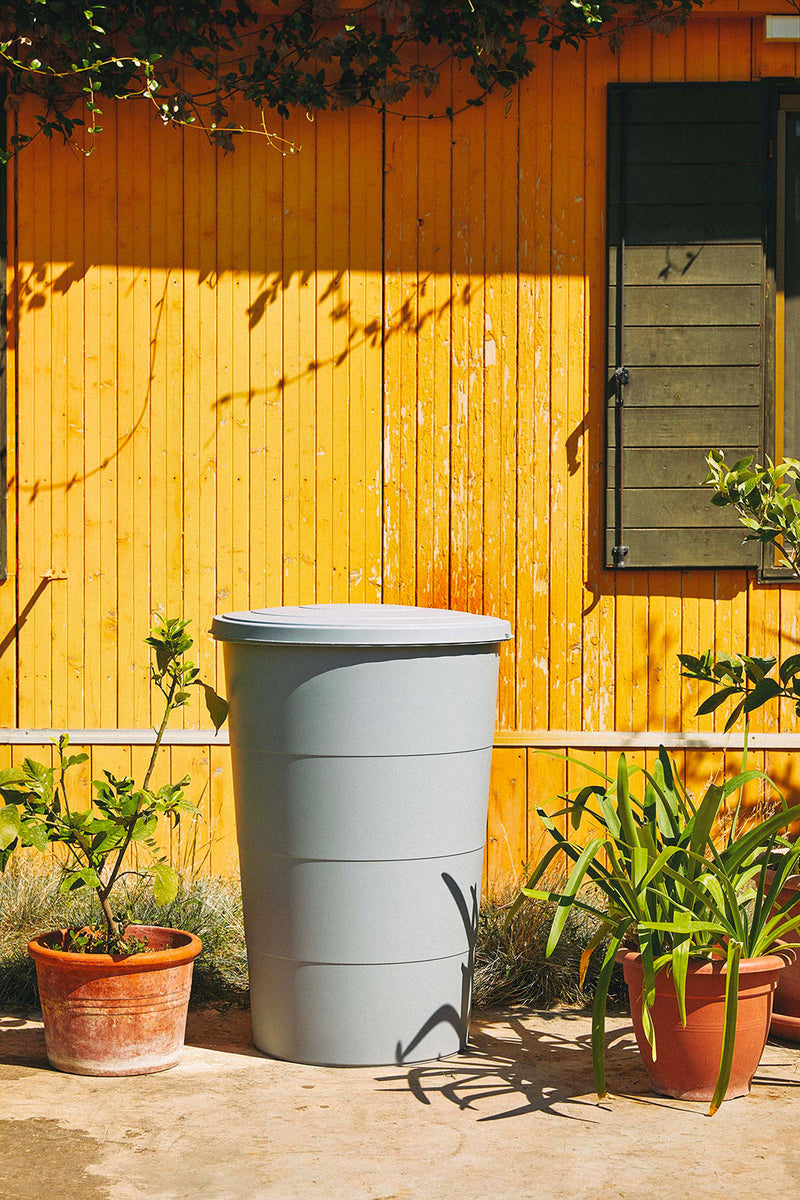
[687, 1062]
[107, 1015]
[786, 1007]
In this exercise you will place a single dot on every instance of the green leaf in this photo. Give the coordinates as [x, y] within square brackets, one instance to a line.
[73, 881]
[144, 828]
[734, 715]
[713, 702]
[10, 826]
[35, 834]
[74, 760]
[667, 807]
[766, 689]
[541, 869]
[578, 806]
[216, 705]
[599, 1007]
[569, 891]
[789, 667]
[624, 810]
[757, 668]
[165, 883]
[729, 1026]
[704, 820]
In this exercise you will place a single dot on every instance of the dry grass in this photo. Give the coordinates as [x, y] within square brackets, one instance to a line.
[211, 907]
[510, 964]
[511, 968]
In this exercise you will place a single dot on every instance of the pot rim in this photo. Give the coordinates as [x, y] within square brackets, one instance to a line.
[186, 952]
[707, 966]
[790, 883]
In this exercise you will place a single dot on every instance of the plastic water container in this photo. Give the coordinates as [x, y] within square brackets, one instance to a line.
[361, 740]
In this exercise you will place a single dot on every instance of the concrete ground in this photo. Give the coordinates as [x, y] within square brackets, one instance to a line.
[514, 1119]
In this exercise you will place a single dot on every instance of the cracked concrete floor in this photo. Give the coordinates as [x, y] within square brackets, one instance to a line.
[514, 1119]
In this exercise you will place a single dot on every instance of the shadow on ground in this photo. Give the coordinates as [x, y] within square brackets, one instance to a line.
[226, 1030]
[21, 1044]
[528, 1069]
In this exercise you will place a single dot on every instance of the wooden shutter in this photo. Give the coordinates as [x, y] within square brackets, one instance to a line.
[3, 349]
[687, 205]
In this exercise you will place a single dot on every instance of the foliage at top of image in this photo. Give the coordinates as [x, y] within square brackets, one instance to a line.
[40, 809]
[193, 59]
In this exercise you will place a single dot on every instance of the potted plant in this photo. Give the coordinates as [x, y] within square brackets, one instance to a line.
[696, 926]
[114, 995]
[766, 499]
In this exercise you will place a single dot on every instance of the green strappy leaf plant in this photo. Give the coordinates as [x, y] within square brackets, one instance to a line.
[39, 812]
[658, 882]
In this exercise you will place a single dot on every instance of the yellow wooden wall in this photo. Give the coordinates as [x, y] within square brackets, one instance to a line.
[369, 370]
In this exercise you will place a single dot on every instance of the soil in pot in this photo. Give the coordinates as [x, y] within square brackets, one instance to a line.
[109, 1015]
[687, 1061]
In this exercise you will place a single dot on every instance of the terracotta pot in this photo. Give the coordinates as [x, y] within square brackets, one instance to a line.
[687, 1062]
[786, 1008]
[108, 1015]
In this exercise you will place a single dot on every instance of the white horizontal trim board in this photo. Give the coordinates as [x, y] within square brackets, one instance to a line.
[781, 28]
[614, 739]
[115, 737]
[535, 739]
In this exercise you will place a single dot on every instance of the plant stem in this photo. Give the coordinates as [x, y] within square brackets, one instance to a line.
[111, 921]
[161, 731]
[102, 893]
[132, 824]
[735, 821]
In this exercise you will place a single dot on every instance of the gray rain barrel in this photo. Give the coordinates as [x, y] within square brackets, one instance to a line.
[361, 740]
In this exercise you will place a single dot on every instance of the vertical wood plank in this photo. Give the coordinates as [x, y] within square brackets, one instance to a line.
[434, 309]
[364, 356]
[533, 562]
[34, 445]
[598, 600]
[222, 823]
[692, 55]
[134, 384]
[735, 47]
[166, 440]
[190, 841]
[547, 786]
[500, 385]
[506, 843]
[401, 322]
[201, 391]
[9, 586]
[299, 332]
[467, 413]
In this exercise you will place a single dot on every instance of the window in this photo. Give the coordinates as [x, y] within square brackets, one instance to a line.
[690, 311]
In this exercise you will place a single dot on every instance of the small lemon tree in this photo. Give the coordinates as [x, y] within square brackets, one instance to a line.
[38, 810]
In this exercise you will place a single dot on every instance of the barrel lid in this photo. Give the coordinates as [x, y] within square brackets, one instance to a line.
[360, 625]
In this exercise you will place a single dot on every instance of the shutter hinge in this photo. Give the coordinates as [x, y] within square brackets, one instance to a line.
[619, 554]
[622, 376]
